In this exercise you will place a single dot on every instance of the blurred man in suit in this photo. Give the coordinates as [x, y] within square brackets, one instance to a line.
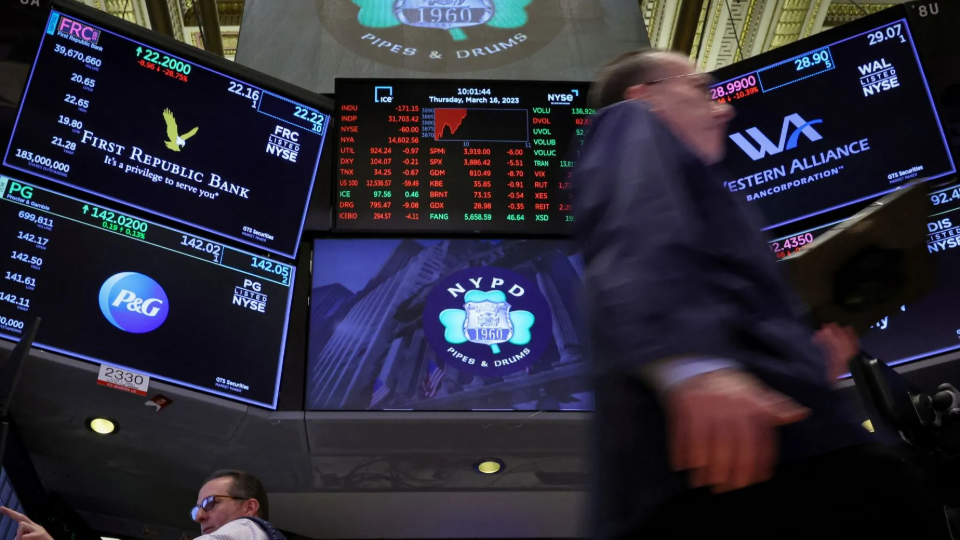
[715, 412]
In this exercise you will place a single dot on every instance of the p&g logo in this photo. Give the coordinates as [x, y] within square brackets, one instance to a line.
[133, 302]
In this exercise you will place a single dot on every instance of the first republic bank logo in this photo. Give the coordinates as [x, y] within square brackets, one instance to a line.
[788, 139]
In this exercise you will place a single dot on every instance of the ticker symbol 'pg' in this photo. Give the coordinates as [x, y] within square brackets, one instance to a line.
[786, 142]
[133, 302]
[175, 141]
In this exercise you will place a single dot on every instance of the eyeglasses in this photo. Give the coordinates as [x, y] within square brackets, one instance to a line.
[208, 504]
[704, 81]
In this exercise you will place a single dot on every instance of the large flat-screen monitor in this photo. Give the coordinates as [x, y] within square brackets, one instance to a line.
[446, 325]
[122, 113]
[831, 121]
[930, 326]
[440, 155]
[309, 42]
[117, 289]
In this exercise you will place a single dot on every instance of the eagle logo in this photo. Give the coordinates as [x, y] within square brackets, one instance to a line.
[175, 141]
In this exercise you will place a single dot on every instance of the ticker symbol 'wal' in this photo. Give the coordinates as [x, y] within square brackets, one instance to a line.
[175, 141]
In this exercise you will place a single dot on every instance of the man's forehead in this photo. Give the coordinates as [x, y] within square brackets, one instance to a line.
[674, 65]
[217, 486]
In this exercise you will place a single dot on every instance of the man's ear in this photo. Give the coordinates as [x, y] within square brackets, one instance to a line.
[251, 507]
[638, 91]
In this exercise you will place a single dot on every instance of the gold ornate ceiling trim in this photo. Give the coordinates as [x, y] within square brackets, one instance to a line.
[838, 14]
[747, 24]
[715, 20]
[812, 18]
[698, 36]
[790, 22]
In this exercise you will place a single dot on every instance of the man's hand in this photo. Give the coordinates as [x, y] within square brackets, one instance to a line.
[840, 345]
[723, 428]
[27, 530]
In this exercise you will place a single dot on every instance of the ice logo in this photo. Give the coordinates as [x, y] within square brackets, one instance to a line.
[133, 302]
[487, 321]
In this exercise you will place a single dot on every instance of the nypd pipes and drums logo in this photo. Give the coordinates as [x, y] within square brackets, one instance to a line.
[487, 321]
[442, 35]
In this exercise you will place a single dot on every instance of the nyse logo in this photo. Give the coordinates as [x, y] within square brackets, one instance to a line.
[284, 143]
[788, 139]
[383, 94]
[133, 302]
[560, 99]
[250, 297]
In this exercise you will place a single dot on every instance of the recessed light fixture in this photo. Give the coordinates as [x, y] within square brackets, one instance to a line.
[868, 425]
[102, 426]
[489, 466]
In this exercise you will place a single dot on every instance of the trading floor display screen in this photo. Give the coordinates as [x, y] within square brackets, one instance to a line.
[421, 155]
[845, 118]
[446, 325]
[117, 289]
[137, 124]
[931, 325]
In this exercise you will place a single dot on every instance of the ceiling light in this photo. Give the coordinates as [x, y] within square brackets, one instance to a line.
[102, 426]
[489, 466]
[867, 425]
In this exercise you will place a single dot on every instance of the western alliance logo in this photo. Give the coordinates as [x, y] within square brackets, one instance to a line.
[441, 35]
[766, 146]
[133, 302]
[487, 321]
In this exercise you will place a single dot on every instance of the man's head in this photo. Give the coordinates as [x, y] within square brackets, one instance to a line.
[227, 496]
[668, 82]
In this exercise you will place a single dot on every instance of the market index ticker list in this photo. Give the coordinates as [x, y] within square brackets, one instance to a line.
[439, 155]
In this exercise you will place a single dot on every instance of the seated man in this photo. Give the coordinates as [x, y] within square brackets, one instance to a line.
[232, 505]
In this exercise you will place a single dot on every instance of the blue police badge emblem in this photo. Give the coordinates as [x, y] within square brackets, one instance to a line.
[488, 318]
[444, 14]
[477, 330]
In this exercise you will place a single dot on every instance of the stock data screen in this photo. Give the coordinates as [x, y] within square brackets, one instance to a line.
[118, 289]
[931, 325]
[136, 124]
[843, 122]
[422, 155]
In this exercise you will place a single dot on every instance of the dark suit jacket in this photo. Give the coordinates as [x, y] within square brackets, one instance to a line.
[675, 265]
